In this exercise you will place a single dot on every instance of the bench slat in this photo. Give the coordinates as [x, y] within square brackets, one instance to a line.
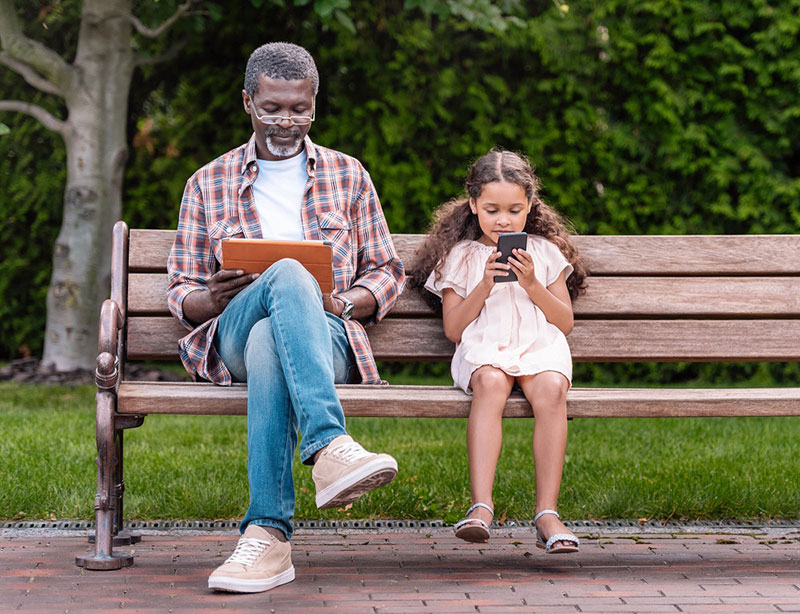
[591, 340]
[449, 402]
[609, 297]
[605, 255]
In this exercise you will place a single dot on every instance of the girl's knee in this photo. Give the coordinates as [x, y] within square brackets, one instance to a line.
[488, 379]
[550, 392]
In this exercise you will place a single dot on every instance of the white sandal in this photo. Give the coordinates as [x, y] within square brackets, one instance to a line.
[558, 537]
[473, 530]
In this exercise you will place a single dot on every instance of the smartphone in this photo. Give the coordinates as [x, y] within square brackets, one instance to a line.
[505, 244]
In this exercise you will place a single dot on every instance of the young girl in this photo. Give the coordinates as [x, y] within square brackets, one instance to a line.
[510, 333]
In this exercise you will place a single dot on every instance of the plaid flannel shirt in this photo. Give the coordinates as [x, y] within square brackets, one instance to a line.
[340, 206]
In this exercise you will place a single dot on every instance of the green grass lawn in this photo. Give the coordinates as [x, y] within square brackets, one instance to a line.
[181, 467]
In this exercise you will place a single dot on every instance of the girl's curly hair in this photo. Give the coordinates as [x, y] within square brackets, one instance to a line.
[454, 221]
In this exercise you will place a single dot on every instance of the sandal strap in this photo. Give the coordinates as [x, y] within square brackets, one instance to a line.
[542, 513]
[561, 537]
[477, 505]
[467, 521]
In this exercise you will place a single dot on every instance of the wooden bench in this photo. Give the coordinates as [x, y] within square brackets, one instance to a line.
[649, 299]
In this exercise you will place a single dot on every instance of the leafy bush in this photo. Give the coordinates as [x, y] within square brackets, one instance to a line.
[647, 117]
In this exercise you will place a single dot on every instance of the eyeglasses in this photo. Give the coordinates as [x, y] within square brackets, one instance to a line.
[296, 120]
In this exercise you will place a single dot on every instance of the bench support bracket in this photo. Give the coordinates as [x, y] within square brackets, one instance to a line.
[109, 490]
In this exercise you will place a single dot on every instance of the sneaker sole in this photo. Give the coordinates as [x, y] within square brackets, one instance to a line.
[349, 488]
[246, 585]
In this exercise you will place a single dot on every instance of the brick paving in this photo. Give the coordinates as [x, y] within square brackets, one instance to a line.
[416, 572]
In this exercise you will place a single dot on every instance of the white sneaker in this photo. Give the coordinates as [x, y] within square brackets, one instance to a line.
[344, 471]
[259, 563]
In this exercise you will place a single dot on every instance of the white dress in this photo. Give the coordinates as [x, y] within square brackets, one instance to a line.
[510, 333]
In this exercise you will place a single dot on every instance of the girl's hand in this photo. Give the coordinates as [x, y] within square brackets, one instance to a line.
[493, 268]
[522, 264]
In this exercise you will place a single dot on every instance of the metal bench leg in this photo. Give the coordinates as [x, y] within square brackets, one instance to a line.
[104, 502]
[122, 537]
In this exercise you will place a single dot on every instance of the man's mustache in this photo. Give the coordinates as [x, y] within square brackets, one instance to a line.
[283, 134]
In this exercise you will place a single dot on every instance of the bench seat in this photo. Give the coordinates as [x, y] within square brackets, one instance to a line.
[449, 402]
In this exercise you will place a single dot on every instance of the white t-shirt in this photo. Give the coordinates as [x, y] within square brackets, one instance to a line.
[279, 190]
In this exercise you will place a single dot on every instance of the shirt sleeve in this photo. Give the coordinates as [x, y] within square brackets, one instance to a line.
[379, 268]
[556, 263]
[191, 260]
[454, 274]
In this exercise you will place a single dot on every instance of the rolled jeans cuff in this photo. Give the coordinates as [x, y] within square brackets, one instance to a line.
[306, 455]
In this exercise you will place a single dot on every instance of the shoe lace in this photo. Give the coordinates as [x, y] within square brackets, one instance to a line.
[350, 452]
[248, 550]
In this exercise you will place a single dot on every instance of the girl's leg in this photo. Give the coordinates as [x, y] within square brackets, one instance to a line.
[490, 389]
[547, 394]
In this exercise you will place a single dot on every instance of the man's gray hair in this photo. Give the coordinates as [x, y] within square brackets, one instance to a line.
[280, 61]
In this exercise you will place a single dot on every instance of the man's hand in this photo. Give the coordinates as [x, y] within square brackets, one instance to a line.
[227, 283]
[222, 287]
[332, 304]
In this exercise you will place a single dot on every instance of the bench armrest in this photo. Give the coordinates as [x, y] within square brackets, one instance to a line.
[108, 347]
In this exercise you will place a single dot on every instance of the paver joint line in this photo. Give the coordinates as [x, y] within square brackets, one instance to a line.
[408, 572]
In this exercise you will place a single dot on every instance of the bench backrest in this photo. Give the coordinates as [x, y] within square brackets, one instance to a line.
[649, 299]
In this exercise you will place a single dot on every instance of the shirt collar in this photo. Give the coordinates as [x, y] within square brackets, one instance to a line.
[250, 155]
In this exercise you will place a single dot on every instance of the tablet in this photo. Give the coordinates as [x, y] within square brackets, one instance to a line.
[257, 255]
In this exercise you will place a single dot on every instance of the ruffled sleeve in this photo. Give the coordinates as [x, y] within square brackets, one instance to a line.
[556, 263]
[454, 273]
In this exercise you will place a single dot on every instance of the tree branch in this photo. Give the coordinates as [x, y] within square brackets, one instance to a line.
[30, 75]
[169, 54]
[48, 120]
[31, 53]
[158, 31]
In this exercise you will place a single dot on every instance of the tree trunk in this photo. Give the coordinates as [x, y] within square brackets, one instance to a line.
[96, 153]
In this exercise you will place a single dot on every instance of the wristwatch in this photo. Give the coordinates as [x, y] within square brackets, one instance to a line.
[347, 310]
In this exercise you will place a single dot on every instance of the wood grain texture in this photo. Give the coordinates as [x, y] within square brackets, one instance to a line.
[449, 402]
[606, 297]
[591, 340]
[706, 255]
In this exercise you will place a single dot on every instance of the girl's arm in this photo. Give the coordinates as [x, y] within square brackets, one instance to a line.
[554, 300]
[457, 312]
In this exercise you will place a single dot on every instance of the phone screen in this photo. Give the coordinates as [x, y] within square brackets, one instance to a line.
[505, 244]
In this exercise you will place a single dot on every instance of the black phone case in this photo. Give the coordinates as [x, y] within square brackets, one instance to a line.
[505, 244]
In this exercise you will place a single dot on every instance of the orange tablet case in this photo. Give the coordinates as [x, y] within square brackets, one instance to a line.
[257, 255]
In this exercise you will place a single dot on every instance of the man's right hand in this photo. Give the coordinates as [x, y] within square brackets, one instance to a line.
[226, 284]
[222, 287]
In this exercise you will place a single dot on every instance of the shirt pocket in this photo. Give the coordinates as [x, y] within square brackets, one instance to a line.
[334, 227]
[228, 228]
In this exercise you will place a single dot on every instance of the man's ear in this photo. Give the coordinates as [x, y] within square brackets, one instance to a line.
[246, 101]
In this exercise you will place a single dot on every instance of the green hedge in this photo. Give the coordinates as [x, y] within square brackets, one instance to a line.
[646, 117]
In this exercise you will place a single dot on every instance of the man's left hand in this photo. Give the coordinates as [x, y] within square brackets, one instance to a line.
[332, 304]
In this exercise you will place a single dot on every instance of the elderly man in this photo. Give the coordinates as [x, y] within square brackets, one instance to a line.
[276, 331]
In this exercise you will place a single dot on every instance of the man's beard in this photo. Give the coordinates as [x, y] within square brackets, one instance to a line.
[283, 151]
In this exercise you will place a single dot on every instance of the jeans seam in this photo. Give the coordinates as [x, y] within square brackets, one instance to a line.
[283, 472]
[288, 370]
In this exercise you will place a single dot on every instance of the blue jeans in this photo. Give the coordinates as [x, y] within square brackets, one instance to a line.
[276, 336]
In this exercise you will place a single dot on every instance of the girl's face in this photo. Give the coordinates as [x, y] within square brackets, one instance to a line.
[501, 207]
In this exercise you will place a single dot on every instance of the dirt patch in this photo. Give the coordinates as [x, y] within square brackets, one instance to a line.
[31, 371]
